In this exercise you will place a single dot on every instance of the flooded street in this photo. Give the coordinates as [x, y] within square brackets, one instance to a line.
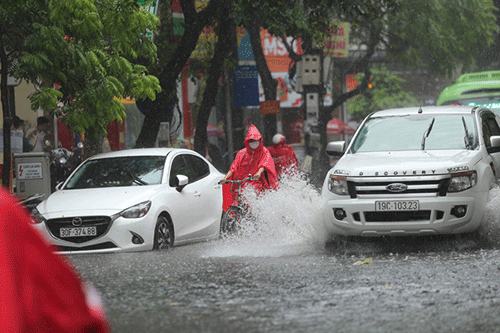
[282, 278]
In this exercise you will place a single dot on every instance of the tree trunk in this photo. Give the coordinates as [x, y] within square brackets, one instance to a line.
[268, 82]
[194, 23]
[7, 117]
[214, 74]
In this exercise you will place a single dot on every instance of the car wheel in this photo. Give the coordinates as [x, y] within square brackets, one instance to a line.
[164, 234]
[231, 220]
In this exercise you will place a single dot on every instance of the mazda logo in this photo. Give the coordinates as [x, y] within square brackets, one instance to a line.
[396, 187]
[77, 221]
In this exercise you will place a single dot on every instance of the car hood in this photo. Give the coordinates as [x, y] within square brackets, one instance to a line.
[406, 163]
[101, 201]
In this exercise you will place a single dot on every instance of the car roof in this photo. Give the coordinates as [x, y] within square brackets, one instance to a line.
[141, 152]
[425, 110]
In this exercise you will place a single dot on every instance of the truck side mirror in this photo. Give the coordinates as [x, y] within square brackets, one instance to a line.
[495, 141]
[335, 148]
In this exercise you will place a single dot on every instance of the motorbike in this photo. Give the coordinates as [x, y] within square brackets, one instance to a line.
[62, 165]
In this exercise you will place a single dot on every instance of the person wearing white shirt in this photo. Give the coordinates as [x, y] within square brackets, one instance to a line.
[36, 135]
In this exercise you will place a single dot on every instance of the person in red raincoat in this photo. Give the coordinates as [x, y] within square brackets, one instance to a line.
[283, 155]
[40, 290]
[253, 160]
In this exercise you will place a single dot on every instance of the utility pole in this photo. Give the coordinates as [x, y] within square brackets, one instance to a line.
[311, 74]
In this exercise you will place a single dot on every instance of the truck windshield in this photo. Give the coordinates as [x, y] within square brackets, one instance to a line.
[417, 132]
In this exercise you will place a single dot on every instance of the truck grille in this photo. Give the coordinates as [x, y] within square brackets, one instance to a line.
[102, 224]
[418, 186]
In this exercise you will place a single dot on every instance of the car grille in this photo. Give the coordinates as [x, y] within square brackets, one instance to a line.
[418, 186]
[101, 246]
[102, 224]
[423, 215]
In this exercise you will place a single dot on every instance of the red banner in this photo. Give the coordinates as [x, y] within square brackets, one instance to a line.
[270, 107]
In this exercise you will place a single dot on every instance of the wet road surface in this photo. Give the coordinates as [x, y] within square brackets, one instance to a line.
[282, 278]
[449, 285]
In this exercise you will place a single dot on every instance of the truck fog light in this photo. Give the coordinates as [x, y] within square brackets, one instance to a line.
[339, 213]
[459, 211]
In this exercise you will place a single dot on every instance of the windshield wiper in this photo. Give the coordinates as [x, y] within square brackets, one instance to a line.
[467, 139]
[426, 133]
[136, 179]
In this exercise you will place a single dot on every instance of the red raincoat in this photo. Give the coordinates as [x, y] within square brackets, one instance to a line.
[40, 290]
[249, 161]
[284, 157]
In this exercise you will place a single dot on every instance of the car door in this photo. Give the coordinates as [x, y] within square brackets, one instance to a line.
[209, 196]
[183, 204]
[490, 127]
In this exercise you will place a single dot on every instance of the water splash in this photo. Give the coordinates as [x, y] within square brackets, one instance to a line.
[287, 221]
[283, 221]
[490, 228]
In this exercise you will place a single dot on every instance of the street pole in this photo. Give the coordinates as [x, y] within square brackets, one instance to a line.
[229, 119]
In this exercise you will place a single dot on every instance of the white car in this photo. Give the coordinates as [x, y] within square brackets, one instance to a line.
[413, 171]
[134, 200]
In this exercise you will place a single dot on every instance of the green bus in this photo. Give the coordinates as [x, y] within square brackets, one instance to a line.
[474, 89]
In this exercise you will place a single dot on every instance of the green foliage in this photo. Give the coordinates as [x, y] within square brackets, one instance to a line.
[386, 93]
[89, 49]
[441, 35]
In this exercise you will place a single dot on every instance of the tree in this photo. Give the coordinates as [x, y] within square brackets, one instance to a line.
[226, 31]
[81, 55]
[386, 93]
[431, 35]
[171, 66]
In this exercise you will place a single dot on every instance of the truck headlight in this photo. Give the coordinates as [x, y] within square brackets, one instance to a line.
[462, 181]
[338, 185]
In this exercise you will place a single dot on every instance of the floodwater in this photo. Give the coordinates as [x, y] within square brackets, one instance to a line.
[281, 277]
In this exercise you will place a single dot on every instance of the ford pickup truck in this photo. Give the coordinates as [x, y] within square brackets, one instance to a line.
[413, 171]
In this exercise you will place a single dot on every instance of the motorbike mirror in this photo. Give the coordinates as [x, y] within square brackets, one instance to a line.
[79, 145]
[48, 143]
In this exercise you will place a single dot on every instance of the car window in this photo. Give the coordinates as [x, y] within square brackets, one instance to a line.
[199, 167]
[417, 132]
[179, 167]
[490, 128]
[118, 171]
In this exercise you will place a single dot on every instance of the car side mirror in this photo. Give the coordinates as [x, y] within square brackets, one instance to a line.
[335, 148]
[495, 141]
[182, 181]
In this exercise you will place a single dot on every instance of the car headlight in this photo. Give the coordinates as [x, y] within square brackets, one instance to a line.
[36, 217]
[338, 185]
[136, 211]
[462, 181]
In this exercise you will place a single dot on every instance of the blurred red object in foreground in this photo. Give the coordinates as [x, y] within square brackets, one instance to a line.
[41, 291]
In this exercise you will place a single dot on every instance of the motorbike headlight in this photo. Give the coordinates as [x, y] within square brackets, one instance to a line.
[36, 216]
[338, 185]
[136, 211]
[462, 181]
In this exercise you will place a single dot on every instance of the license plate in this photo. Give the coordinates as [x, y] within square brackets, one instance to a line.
[77, 232]
[399, 205]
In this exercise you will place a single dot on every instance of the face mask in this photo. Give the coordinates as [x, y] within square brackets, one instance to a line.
[254, 144]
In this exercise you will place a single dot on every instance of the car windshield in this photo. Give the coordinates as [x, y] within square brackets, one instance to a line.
[417, 132]
[118, 171]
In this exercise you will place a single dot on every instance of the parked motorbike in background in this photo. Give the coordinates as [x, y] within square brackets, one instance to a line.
[62, 165]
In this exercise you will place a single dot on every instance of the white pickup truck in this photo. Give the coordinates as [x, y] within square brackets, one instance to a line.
[413, 171]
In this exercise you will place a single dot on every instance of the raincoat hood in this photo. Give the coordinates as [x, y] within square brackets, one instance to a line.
[249, 161]
[254, 134]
